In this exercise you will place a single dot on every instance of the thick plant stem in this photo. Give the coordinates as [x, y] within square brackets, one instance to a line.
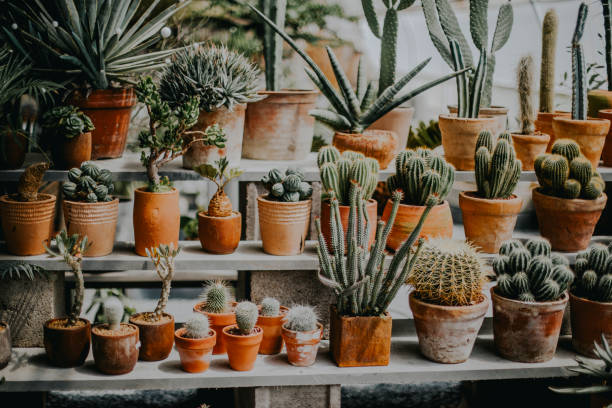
[547, 68]
[79, 289]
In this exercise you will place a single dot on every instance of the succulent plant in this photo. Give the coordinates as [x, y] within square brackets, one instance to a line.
[301, 319]
[579, 80]
[216, 297]
[197, 327]
[593, 269]
[246, 317]
[113, 312]
[30, 181]
[214, 135]
[89, 184]
[163, 258]
[497, 170]
[547, 66]
[288, 187]
[220, 205]
[425, 135]
[66, 122]
[525, 91]
[276, 11]
[270, 307]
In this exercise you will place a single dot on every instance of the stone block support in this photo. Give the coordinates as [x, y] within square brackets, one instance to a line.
[319, 396]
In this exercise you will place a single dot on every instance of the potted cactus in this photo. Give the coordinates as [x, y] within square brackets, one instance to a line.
[419, 174]
[302, 334]
[529, 300]
[284, 213]
[570, 198]
[89, 208]
[218, 305]
[243, 338]
[69, 133]
[5, 345]
[271, 318]
[220, 226]
[195, 342]
[599, 99]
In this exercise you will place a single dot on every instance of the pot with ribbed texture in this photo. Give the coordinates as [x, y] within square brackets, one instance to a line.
[97, 221]
[283, 225]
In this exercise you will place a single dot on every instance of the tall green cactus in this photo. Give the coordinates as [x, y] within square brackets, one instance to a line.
[593, 269]
[525, 86]
[579, 80]
[607, 17]
[550, 26]
[497, 170]
[276, 11]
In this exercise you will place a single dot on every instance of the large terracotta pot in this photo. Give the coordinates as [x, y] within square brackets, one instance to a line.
[219, 235]
[14, 150]
[70, 153]
[606, 154]
[66, 346]
[27, 226]
[439, 222]
[377, 144]
[279, 126]
[5, 345]
[283, 226]
[194, 353]
[598, 99]
[302, 347]
[218, 321]
[590, 320]
[272, 342]
[500, 113]
[242, 349]
[97, 221]
[115, 353]
[397, 121]
[371, 208]
[543, 124]
[157, 219]
[156, 337]
[567, 224]
[488, 223]
[527, 332]
[459, 137]
[447, 333]
[346, 54]
[589, 134]
[109, 110]
[529, 147]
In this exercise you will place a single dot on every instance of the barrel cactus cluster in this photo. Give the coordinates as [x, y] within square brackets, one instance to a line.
[89, 184]
[497, 170]
[288, 187]
[301, 319]
[593, 271]
[216, 297]
[246, 317]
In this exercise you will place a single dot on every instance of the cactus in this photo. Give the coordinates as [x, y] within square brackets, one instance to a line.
[113, 312]
[270, 307]
[607, 18]
[539, 246]
[289, 187]
[547, 66]
[497, 170]
[425, 135]
[525, 91]
[301, 319]
[163, 258]
[89, 184]
[30, 181]
[216, 297]
[197, 327]
[220, 204]
[273, 44]
[594, 274]
[246, 317]
[579, 80]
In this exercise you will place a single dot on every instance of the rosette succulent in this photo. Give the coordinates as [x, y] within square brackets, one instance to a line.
[89, 184]
[66, 121]
[287, 187]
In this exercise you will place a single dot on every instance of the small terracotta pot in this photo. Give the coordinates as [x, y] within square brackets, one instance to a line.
[115, 354]
[589, 134]
[606, 154]
[218, 321]
[397, 121]
[543, 124]
[590, 319]
[529, 147]
[488, 223]
[360, 341]
[27, 226]
[598, 99]
[283, 226]
[377, 144]
[371, 208]
[447, 333]
[157, 219]
[14, 149]
[242, 350]
[439, 222]
[71, 152]
[156, 338]
[109, 110]
[459, 137]
[69, 346]
[527, 332]
[97, 221]
[219, 235]
[302, 347]
[567, 224]
[194, 353]
[500, 113]
[5, 345]
[272, 342]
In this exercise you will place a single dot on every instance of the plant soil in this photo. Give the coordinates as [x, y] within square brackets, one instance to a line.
[151, 318]
[18, 198]
[123, 330]
[63, 324]
[236, 332]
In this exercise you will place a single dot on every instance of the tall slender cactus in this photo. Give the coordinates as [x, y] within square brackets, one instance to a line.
[525, 90]
[607, 17]
[276, 10]
[547, 66]
[579, 81]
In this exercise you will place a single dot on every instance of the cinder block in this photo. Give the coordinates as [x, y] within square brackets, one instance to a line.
[319, 396]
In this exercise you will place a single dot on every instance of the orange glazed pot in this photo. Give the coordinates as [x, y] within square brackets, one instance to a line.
[397, 121]
[543, 124]
[598, 99]
[219, 235]
[459, 138]
[67, 346]
[27, 226]
[590, 320]
[115, 354]
[157, 219]
[283, 226]
[302, 347]
[606, 154]
[97, 221]
[71, 152]
[377, 144]
[218, 321]
[371, 208]
[589, 134]
[194, 353]
[528, 147]
[156, 338]
[272, 342]
[242, 349]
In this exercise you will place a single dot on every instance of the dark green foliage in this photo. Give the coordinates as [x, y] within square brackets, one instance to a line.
[288, 187]
[593, 269]
[22, 270]
[425, 135]
[66, 121]
[87, 180]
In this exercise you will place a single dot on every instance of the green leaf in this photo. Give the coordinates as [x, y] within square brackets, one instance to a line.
[452, 29]
[404, 4]
[336, 121]
[478, 23]
[371, 17]
[345, 85]
[435, 30]
[503, 28]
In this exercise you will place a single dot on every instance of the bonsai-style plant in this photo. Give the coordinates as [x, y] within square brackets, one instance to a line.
[271, 318]
[218, 305]
[69, 133]
[302, 334]
[243, 339]
[212, 142]
[195, 342]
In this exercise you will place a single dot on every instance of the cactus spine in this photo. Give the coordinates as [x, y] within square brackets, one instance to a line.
[246, 317]
[197, 327]
[289, 187]
[497, 170]
[547, 66]
[273, 44]
[163, 259]
[113, 312]
[594, 274]
[525, 91]
[301, 319]
[216, 297]
[579, 80]
[270, 307]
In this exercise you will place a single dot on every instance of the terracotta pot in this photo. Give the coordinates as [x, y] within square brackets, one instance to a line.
[272, 342]
[69, 153]
[97, 221]
[14, 150]
[302, 347]
[219, 235]
[242, 350]
[371, 208]
[439, 222]
[567, 224]
[526, 332]
[115, 353]
[488, 223]
[156, 338]
[377, 144]
[283, 226]
[500, 113]
[590, 319]
[589, 134]
[67, 346]
[157, 219]
[447, 333]
[218, 321]
[232, 123]
[397, 121]
[606, 154]
[598, 99]
[5, 345]
[359, 341]
[346, 54]
[543, 124]
[529, 147]
[279, 126]
[459, 137]
[27, 226]
[194, 353]
[109, 110]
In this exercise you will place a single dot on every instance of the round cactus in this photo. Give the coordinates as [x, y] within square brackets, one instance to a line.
[113, 312]
[505, 286]
[539, 270]
[70, 189]
[604, 288]
[558, 259]
[74, 175]
[89, 184]
[216, 296]
[597, 257]
[538, 246]
[292, 183]
[270, 307]
[518, 260]
[526, 297]
[246, 317]
[277, 190]
[197, 327]
[500, 265]
[509, 245]
[301, 319]
[593, 269]
[90, 169]
[567, 148]
[287, 187]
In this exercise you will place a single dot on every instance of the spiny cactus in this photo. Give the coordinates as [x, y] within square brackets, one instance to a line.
[113, 312]
[607, 18]
[547, 65]
[216, 297]
[289, 187]
[497, 169]
[579, 80]
[525, 91]
[30, 181]
[246, 317]
[276, 11]
[197, 327]
[301, 319]
[270, 307]
[593, 269]
[89, 184]
[425, 135]
[163, 258]
[220, 204]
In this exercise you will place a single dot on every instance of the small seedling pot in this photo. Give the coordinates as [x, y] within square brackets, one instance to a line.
[590, 320]
[377, 144]
[156, 337]
[396, 121]
[219, 235]
[218, 321]
[115, 352]
[96, 221]
[5, 345]
[371, 208]
[157, 219]
[302, 347]
[242, 349]
[194, 353]
[459, 137]
[283, 226]
[272, 342]
[529, 147]
[66, 346]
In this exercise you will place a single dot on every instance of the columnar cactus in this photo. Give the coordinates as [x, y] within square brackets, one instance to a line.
[216, 297]
[607, 17]
[547, 65]
[288, 187]
[246, 317]
[270, 307]
[301, 319]
[579, 80]
[163, 258]
[593, 269]
[197, 327]
[497, 170]
[220, 205]
[113, 312]
[89, 184]
[525, 91]
[276, 11]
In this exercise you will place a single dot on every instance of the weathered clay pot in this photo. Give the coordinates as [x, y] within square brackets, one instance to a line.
[359, 341]
[488, 223]
[283, 226]
[27, 226]
[589, 134]
[219, 235]
[156, 338]
[447, 333]
[157, 219]
[590, 319]
[567, 224]
[345, 53]
[109, 110]
[439, 222]
[543, 124]
[526, 331]
[377, 144]
[5, 345]
[397, 121]
[371, 208]
[97, 221]
[598, 99]
[500, 113]
[606, 154]
[218, 321]
[67, 346]
[528, 147]
[272, 342]
[242, 349]
[279, 126]
[194, 353]
[302, 346]
[459, 138]
[115, 353]
[69, 153]
[12, 154]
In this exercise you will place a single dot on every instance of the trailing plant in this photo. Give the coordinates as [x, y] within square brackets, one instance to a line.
[276, 11]
[547, 66]
[301, 319]
[220, 204]
[66, 122]
[30, 182]
[22, 270]
[163, 258]
[525, 91]
[246, 317]
[579, 85]
[593, 269]
[89, 184]
[113, 312]
[425, 135]
[497, 170]
[216, 297]
[197, 327]
[289, 187]
[270, 307]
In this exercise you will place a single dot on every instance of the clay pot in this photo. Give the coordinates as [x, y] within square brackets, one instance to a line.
[302, 347]
[447, 333]
[219, 235]
[439, 222]
[218, 321]
[279, 126]
[377, 144]
[242, 350]
[156, 338]
[71, 152]
[598, 99]
[526, 332]
[5, 345]
[397, 121]
[67, 346]
[488, 223]
[567, 224]
[590, 320]
[459, 137]
[359, 341]
[14, 150]
[109, 110]
[529, 147]
[283, 226]
[115, 354]
[97, 221]
[157, 219]
[194, 353]
[543, 124]
[27, 226]
[606, 154]
[500, 113]
[272, 342]
[346, 55]
[371, 208]
[589, 134]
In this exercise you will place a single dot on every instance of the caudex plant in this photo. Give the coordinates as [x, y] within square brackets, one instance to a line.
[579, 81]
[289, 187]
[89, 184]
[30, 182]
[216, 297]
[497, 170]
[593, 269]
[301, 319]
[550, 27]
[220, 204]
[163, 258]
[246, 317]
[270, 307]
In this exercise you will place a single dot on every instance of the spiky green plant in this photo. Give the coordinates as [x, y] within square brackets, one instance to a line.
[216, 297]
[220, 205]
[276, 11]
[525, 90]
[30, 181]
[607, 19]
[547, 66]
[163, 258]
[497, 170]
[579, 80]
[246, 317]
[89, 184]
[289, 187]
[22, 270]
[301, 319]
[197, 326]
[270, 307]
[425, 135]
[113, 312]
[593, 270]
